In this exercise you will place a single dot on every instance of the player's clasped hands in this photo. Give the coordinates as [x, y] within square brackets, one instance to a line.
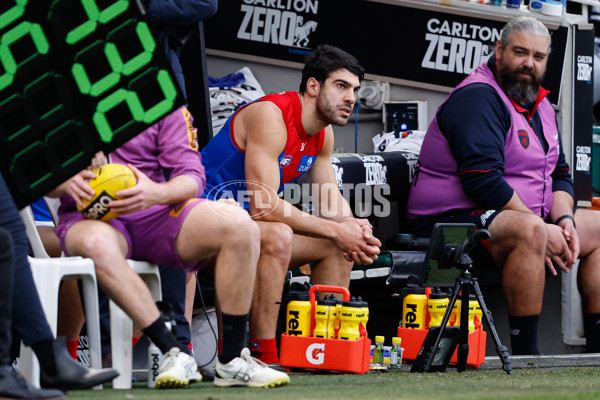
[357, 241]
[557, 250]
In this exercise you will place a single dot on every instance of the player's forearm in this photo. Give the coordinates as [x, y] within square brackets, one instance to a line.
[335, 207]
[562, 204]
[301, 222]
[176, 190]
[515, 203]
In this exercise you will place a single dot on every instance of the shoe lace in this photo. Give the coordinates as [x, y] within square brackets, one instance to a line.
[168, 362]
[252, 362]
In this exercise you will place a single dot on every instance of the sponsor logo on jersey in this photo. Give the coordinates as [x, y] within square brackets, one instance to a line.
[302, 146]
[523, 138]
[305, 163]
[191, 131]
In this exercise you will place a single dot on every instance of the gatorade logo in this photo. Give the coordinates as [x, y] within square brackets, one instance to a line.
[99, 207]
[315, 353]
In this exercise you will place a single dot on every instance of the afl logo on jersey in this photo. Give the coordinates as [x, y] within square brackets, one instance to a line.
[523, 138]
[285, 161]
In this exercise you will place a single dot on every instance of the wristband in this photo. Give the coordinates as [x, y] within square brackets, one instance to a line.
[566, 216]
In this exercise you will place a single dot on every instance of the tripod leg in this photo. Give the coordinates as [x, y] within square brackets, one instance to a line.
[487, 315]
[463, 339]
[432, 351]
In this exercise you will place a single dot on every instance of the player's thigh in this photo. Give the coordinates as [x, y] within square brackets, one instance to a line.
[210, 225]
[588, 230]
[94, 238]
[510, 229]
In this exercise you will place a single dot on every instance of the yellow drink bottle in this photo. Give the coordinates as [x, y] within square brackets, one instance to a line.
[474, 309]
[364, 314]
[455, 315]
[297, 320]
[414, 309]
[437, 306]
[350, 317]
[325, 313]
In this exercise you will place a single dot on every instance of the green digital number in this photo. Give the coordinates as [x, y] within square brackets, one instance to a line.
[111, 101]
[82, 78]
[13, 13]
[169, 92]
[6, 57]
[134, 105]
[148, 44]
[91, 10]
[115, 61]
[95, 16]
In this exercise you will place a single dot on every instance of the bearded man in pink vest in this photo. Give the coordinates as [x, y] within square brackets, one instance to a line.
[493, 156]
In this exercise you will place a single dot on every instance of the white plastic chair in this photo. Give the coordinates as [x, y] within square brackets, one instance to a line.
[47, 274]
[121, 327]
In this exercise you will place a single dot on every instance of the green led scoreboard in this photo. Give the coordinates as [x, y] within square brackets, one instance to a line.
[76, 77]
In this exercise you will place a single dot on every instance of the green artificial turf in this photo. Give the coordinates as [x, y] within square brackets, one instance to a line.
[542, 383]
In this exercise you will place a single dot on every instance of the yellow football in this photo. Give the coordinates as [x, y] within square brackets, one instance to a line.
[110, 178]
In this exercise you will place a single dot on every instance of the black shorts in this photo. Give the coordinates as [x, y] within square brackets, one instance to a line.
[484, 266]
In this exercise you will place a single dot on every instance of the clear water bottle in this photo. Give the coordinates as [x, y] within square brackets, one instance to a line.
[155, 357]
[379, 351]
[396, 353]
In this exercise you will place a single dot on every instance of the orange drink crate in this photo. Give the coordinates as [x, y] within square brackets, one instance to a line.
[326, 354]
[412, 340]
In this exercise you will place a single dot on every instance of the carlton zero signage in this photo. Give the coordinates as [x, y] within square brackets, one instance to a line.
[397, 41]
[279, 22]
[457, 47]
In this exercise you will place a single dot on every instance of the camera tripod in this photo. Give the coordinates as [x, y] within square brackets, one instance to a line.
[459, 258]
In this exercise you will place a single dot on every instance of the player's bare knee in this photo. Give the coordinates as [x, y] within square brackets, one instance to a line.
[533, 233]
[243, 234]
[277, 241]
[97, 242]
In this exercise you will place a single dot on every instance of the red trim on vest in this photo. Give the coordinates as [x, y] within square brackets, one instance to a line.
[542, 93]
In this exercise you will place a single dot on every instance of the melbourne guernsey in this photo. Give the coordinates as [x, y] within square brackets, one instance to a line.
[224, 159]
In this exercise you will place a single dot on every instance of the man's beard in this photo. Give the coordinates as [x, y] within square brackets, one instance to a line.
[327, 112]
[521, 90]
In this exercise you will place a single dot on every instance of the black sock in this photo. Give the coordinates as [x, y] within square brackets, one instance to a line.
[162, 337]
[44, 350]
[591, 324]
[234, 336]
[524, 334]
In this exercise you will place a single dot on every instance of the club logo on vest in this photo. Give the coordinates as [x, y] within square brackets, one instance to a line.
[523, 138]
[285, 161]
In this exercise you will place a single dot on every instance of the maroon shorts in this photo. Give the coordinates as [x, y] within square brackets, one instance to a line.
[150, 233]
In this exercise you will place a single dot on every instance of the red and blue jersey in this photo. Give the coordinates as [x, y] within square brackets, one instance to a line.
[224, 160]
